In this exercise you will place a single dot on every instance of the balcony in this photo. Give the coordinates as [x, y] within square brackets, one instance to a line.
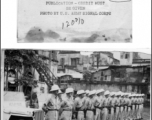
[141, 61]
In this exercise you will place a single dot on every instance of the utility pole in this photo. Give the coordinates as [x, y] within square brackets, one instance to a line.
[98, 56]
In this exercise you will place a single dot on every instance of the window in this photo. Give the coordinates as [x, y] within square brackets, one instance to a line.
[125, 55]
[54, 55]
[107, 78]
[74, 61]
[101, 73]
[62, 61]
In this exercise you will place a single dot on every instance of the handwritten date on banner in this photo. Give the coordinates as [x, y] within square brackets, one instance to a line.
[78, 21]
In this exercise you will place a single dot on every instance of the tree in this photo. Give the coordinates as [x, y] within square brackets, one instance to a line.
[16, 59]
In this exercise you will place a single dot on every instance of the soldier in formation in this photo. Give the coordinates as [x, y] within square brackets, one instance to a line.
[93, 105]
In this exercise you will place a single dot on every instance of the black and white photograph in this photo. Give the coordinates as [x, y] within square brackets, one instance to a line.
[74, 21]
[40, 84]
[76, 60]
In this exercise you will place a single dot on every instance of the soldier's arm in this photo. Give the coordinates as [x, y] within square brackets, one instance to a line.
[83, 105]
[75, 102]
[50, 104]
[96, 102]
[63, 103]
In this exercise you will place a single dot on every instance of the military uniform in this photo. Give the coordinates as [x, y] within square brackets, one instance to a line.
[133, 106]
[139, 107]
[136, 107]
[125, 112]
[129, 115]
[117, 105]
[80, 106]
[98, 107]
[121, 112]
[106, 104]
[86, 105]
[90, 115]
[67, 106]
[53, 106]
[142, 104]
[112, 104]
[102, 98]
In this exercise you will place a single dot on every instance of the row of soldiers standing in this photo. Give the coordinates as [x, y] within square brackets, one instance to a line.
[93, 105]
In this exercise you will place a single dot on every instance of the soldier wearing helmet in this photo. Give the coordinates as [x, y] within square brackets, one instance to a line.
[91, 111]
[67, 105]
[117, 104]
[98, 103]
[52, 104]
[79, 104]
[112, 105]
[106, 105]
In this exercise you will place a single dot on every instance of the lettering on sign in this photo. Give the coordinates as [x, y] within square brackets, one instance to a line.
[15, 104]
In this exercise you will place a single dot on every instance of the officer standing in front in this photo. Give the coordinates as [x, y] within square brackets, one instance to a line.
[52, 105]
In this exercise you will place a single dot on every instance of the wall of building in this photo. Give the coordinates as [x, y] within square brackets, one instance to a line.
[128, 75]
[42, 87]
[121, 75]
[72, 73]
[67, 57]
[102, 75]
[126, 58]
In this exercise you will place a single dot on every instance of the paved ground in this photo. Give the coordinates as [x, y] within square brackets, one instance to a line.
[146, 113]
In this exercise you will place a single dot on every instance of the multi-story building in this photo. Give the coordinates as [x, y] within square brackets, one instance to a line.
[73, 59]
[103, 59]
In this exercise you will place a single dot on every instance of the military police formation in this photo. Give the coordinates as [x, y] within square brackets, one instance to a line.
[93, 105]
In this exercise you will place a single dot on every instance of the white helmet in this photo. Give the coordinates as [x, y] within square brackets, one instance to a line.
[87, 91]
[60, 92]
[54, 88]
[93, 92]
[99, 91]
[69, 90]
[80, 92]
[119, 93]
[107, 93]
[122, 94]
[143, 94]
[134, 95]
[129, 94]
[102, 90]
[112, 93]
[116, 94]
